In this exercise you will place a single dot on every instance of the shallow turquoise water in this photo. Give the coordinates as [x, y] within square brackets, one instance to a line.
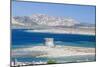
[21, 39]
[69, 59]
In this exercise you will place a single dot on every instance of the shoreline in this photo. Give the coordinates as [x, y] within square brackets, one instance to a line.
[65, 31]
[58, 51]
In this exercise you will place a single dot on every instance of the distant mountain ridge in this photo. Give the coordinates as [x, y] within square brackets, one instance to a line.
[43, 20]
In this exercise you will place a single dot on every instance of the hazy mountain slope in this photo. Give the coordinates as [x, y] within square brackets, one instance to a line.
[14, 22]
[43, 20]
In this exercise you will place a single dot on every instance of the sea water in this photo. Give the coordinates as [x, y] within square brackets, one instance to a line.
[21, 39]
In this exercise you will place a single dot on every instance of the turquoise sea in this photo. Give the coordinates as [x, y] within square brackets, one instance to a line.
[21, 39]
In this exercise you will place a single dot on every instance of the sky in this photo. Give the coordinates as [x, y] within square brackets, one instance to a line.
[83, 14]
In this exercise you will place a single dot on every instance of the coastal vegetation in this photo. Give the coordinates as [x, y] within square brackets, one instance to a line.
[50, 61]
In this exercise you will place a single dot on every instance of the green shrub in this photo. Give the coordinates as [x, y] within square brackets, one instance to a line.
[51, 62]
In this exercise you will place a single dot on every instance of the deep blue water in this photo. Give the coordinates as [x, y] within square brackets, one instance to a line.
[22, 38]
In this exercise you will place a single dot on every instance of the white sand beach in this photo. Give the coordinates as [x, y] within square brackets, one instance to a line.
[82, 31]
[57, 51]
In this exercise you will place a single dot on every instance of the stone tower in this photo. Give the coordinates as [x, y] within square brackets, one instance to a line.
[49, 42]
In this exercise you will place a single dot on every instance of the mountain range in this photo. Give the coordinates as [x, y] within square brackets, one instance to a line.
[42, 20]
